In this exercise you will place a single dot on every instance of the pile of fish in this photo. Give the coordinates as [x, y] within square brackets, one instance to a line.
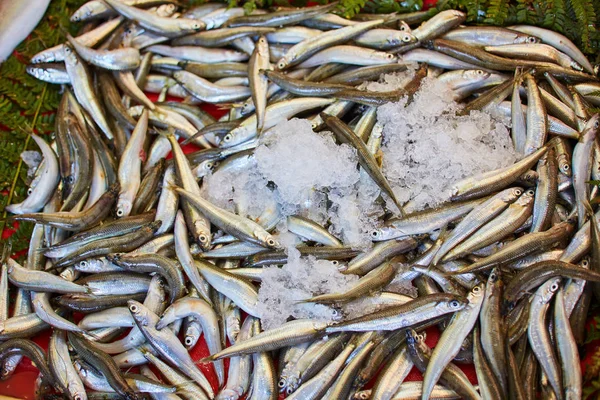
[506, 269]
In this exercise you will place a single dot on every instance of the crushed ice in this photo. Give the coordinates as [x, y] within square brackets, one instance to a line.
[426, 147]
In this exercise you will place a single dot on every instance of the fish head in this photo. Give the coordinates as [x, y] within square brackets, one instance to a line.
[166, 10]
[8, 367]
[452, 305]
[123, 207]
[157, 288]
[262, 46]
[408, 38]
[282, 63]
[548, 289]
[475, 75]
[476, 293]
[77, 395]
[512, 194]
[70, 55]
[526, 39]
[191, 24]
[383, 233]
[267, 239]
[139, 312]
[526, 198]
[403, 27]
[204, 237]
[82, 13]
[564, 165]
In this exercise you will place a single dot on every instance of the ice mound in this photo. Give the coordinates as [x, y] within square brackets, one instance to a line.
[319, 179]
[300, 162]
[241, 189]
[427, 147]
[299, 279]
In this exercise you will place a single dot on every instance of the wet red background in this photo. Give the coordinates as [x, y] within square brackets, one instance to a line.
[21, 383]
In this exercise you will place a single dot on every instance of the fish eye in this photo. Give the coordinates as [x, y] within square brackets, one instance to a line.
[271, 242]
[77, 397]
[597, 124]
[566, 166]
[335, 262]
[554, 287]
[281, 383]
[83, 264]
[281, 65]
[406, 38]
[530, 192]
[133, 308]
[518, 192]
[120, 212]
[479, 72]
[375, 234]
[531, 39]
[454, 304]
[585, 263]
[493, 276]
[188, 341]
[227, 138]
[203, 238]
[476, 289]
[29, 191]
[390, 56]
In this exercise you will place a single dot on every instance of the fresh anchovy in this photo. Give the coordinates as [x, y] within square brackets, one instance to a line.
[288, 334]
[403, 316]
[439, 24]
[240, 227]
[119, 59]
[280, 18]
[522, 247]
[489, 182]
[40, 280]
[449, 344]
[170, 27]
[479, 216]
[352, 55]
[381, 252]
[425, 221]
[49, 179]
[308, 47]
[81, 82]
[490, 36]
[582, 159]
[62, 368]
[503, 225]
[539, 337]
[103, 363]
[558, 41]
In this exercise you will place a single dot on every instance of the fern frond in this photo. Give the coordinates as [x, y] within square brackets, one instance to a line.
[497, 12]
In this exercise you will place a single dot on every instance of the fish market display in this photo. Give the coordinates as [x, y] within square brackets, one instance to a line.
[370, 180]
